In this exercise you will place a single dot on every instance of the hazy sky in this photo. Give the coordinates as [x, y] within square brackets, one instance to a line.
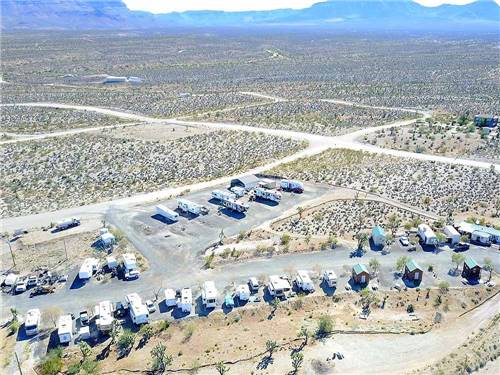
[164, 6]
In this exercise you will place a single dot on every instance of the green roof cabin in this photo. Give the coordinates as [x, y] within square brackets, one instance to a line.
[360, 274]
[413, 272]
[471, 270]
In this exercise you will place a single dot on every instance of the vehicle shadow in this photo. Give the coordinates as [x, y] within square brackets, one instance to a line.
[329, 291]
[232, 214]
[162, 219]
[266, 202]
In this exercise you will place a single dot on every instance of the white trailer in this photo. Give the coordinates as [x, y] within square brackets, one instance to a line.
[209, 294]
[185, 302]
[32, 322]
[292, 185]
[270, 195]
[191, 207]
[452, 234]
[10, 280]
[170, 298]
[237, 206]
[304, 282]
[481, 237]
[104, 316]
[167, 212]
[223, 195]
[278, 286]
[243, 292]
[238, 191]
[137, 309]
[426, 234]
[111, 262]
[330, 278]
[68, 223]
[88, 268]
[65, 329]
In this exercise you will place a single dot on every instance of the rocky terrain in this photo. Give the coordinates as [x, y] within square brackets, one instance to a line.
[314, 116]
[32, 120]
[437, 187]
[74, 170]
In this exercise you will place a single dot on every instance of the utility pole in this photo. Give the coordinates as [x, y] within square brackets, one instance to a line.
[65, 250]
[18, 364]
[10, 249]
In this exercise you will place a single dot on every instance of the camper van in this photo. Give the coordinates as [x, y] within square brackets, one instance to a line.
[209, 294]
[243, 292]
[278, 286]
[185, 301]
[137, 309]
[167, 213]
[65, 329]
[32, 322]
[191, 207]
[330, 278]
[130, 267]
[304, 282]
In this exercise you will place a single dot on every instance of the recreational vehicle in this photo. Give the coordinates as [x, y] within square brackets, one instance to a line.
[426, 234]
[88, 268]
[330, 278]
[209, 294]
[170, 298]
[65, 329]
[237, 206]
[243, 292]
[32, 322]
[167, 213]
[278, 286]
[292, 185]
[185, 302]
[270, 195]
[191, 207]
[222, 195]
[130, 267]
[304, 282]
[104, 316]
[137, 310]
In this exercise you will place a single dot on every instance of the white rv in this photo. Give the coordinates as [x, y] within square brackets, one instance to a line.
[185, 302]
[452, 234]
[65, 329]
[292, 185]
[209, 294]
[67, 223]
[330, 278]
[170, 298]
[304, 282]
[88, 268]
[222, 195]
[237, 206]
[426, 234]
[167, 213]
[137, 309]
[270, 195]
[278, 286]
[243, 292]
[104, 316]
[32, 322]
[238, 191]
[191, 207]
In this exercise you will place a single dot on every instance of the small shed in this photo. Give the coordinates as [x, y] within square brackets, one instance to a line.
[378, 236]
[247, 182]
[471, 270]
[360, 274]
[452, 234]
[107, 239]
[413, 271]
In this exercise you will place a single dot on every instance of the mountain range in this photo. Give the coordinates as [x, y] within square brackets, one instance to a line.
[335, 14]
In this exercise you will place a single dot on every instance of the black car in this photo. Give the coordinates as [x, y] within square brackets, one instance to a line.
[461, 246]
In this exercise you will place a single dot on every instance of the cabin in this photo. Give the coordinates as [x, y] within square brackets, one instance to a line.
[378, 236]
[471, 269]
[489, 121]
[360, 274]
[451, 234]
[413, 272]
[247, 182]
[469, 228]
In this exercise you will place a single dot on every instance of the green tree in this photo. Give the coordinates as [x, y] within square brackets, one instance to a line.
[146, 333]
[394, 222]
[221, 368]
[444, 286]
[374, 265]
[285, 239]
[400, 263]
[457, 258]
[304, 333]
[161, 359]
[85, 349]
[297, 360]
[14, 313]
[300, 211]
[325, 326]
[488, 266]
[126, 342]
[362, 239]
[52, 364]
[271, 346]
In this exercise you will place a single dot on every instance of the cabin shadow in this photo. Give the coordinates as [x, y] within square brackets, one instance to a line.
[429, 248]
[163, 308]
[374, 247]
[162, 219]
[232, 214]
[266, 202]
[328, 290]
[355, 286]
[473, 280]
[411, 283]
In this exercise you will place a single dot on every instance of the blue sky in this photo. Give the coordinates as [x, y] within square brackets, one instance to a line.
[165, 6]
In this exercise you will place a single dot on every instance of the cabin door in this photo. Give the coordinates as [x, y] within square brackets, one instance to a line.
[363, 279]
[417, 275]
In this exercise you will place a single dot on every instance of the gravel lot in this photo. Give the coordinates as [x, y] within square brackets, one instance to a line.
[82, 169]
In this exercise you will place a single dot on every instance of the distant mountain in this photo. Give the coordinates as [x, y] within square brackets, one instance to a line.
[357, 14]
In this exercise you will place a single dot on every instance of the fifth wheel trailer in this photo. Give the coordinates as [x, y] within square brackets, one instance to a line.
[191, 207]
[167, 212]
[237, 206]
[67, 223]
[137, 309]
[426, 234]
[222, 195]
[271, 195]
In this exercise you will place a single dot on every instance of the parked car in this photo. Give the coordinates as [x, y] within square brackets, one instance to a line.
[461, 246]
[151, 306]
[131, 275]
[32, 281]
[21, 285]
[253, 283]
[404, 241]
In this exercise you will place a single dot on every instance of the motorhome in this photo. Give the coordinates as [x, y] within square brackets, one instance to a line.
[137, 309]
[292, 185]
[88, 268]
[237, 206]
[223, 195]
[185, 302]
[243, 292]
[167, 213]
[209, 294]
[67, 223]
[426, 234]
[330, 278]
[104, 316]
[270, 195]
[32, 322]
[65, 329]
[304, 282]
[170, 298]
[278, 286]
[191, 207]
